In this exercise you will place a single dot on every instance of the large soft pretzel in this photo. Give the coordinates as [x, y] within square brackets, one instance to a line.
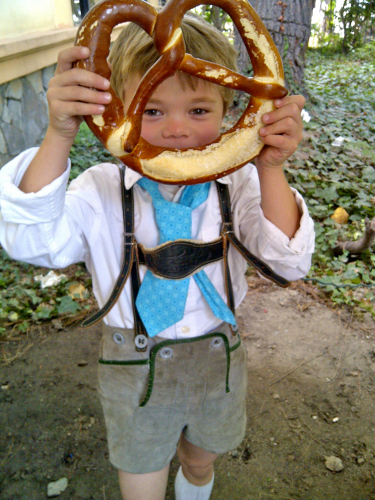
[121, 135]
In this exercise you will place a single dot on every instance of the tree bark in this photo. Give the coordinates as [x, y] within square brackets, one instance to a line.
[289, 23]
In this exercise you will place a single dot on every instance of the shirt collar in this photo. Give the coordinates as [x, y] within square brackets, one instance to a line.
[132, 177]
[225, 180]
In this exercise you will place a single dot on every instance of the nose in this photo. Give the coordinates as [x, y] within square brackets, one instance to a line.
[175, 127]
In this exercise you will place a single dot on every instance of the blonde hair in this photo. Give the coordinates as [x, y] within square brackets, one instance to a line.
[133, 53]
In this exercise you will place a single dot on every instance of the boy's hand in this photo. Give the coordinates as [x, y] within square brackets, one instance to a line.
[74, 93]
[282, 132]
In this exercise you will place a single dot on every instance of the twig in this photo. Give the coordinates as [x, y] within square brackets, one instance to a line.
[303, 362]
[307, 448]
[104, 497]
[258, 412]
[337, 366]
[19, 353]
[4, 461]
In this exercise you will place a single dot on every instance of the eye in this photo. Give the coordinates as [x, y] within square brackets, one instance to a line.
[152, 112]
[199, 111]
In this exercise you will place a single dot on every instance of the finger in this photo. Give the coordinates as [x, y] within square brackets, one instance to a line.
[78, 93]
[299, 100]
[77, 76]
[284, 143]
[287, 126]
[78, 109]
[67, 57]
[290, 110]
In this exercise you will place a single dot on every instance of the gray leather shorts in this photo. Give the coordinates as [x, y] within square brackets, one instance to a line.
[196, 386]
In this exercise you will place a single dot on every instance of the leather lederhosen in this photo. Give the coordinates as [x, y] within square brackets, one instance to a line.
[176, 259]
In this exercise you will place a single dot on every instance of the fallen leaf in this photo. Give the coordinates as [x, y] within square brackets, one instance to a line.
[340, 216]
[77, 291]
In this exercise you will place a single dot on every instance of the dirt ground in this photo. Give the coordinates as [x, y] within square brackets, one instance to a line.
[311, 396]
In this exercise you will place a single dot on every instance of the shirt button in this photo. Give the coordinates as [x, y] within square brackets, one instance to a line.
[185, 329]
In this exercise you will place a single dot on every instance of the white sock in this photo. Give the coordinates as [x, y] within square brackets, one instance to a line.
[187, 491]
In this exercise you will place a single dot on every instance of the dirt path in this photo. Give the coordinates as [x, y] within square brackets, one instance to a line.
[311, 396]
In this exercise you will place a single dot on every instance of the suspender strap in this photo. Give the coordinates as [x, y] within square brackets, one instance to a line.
[228, 234]
[226, 219]
[140, 333]
[129, 254]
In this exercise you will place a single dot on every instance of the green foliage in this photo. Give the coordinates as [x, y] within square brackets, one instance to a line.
[356, 17]
[342, 103]
[330, 44]
[23, 302]
[347, 25]
[216, 16]
[87, 151]
[365, 53]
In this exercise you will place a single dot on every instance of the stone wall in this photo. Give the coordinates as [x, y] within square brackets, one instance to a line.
[23, 113]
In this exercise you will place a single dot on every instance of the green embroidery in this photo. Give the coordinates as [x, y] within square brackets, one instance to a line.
[235, 346]
[169, 342]
[128, 362]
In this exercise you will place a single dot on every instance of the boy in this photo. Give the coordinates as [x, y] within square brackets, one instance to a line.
[173, 395]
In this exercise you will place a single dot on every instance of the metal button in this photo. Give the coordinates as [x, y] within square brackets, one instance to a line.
[185, 329]
[166, 353]
[217, 342]
[118, 338]
[141, 341]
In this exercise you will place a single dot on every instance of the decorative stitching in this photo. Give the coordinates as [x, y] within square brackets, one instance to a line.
[128, 362]
[169, 342]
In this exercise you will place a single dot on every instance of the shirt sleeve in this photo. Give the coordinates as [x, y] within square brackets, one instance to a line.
[290, 258]
[37, 227]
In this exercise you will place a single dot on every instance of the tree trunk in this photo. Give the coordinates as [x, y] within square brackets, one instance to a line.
[289, 23]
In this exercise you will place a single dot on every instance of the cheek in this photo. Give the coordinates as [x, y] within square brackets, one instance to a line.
[210, 132]
[148, 131]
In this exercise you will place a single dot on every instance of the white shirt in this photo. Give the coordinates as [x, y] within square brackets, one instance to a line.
[56, 228]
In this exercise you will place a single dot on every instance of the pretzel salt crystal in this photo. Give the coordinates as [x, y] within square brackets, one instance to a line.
[121, 135]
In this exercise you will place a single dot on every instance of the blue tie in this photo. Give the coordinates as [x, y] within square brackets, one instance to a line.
[161, 302]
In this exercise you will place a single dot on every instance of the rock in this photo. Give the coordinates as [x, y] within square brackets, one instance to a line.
[3, 146]
[47, 74]
[55, 489]
[14, 89]
[35, 79]
[334, 464]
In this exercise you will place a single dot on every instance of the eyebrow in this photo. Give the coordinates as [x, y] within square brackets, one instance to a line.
[153, 101]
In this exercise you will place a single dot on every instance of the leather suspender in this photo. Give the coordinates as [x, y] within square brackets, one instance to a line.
[228, 233]
[206, 253]
[128, 258]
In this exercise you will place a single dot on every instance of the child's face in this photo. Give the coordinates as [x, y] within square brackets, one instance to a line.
[178, 116]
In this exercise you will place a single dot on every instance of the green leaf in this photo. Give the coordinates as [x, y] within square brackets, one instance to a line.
[68, 305]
